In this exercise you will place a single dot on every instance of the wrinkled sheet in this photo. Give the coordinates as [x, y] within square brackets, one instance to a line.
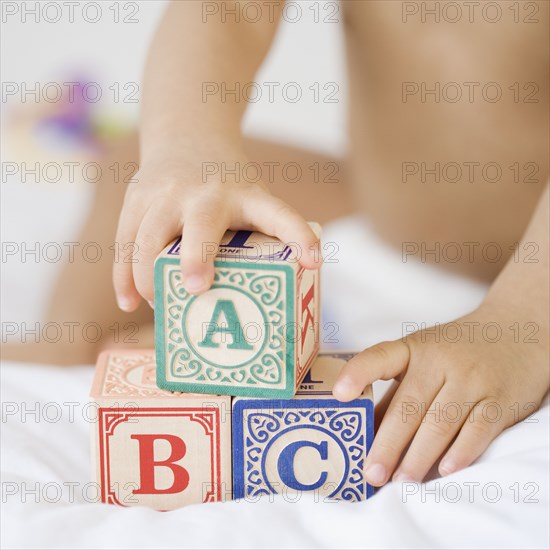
[502, 501]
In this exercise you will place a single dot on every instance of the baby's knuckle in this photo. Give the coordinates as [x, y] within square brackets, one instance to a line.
[440, 428]
[460, 378]
[249, 188]
[284, 210]
[378, 352]
[211, 191]
[386, 448]
[482, 428]
[409, 409]
[147, 244]
[411, 399]
[469, 371]
[207, 217]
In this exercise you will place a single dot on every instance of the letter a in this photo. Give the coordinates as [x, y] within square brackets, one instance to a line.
[234, 329]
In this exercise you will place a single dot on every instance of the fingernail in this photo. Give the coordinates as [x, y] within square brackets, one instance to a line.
[123, 303]
[375, 474]
[194, 283]
[342, 389]
[151, 304]
[447, 467]
[401, 477]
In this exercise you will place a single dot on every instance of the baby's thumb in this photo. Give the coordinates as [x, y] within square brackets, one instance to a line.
[382, 361]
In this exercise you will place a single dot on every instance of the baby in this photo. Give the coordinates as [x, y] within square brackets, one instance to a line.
[448, 127]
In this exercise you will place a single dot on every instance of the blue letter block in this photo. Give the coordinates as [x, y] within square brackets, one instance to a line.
[312, 443]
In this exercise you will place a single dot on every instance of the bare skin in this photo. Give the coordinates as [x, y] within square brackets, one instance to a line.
[126, 330]
[383, 52]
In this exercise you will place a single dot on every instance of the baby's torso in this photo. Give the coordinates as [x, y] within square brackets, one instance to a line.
[449, 124]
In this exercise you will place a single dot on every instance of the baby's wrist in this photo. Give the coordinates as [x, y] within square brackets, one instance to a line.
[504, 303]
[192, 147]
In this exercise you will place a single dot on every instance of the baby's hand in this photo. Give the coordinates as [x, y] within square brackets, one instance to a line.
[168, 197]
[461, 384]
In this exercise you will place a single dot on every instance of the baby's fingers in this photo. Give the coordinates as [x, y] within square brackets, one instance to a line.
[203, 229]
[126, 250]
[484, 423]
[441, 422]
[158, 227]
[383, 361]
[398, 426]
[273, 216]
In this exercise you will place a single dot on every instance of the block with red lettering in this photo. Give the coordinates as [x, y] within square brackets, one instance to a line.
[310, 444]
[254, 333]
[153, 447]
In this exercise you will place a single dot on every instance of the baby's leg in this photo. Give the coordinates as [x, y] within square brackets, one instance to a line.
[84, 292]
[314, 184]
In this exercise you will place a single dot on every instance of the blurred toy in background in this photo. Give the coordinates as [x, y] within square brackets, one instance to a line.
[69, 129]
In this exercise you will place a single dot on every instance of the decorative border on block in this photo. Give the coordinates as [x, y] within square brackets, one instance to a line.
[110, 418]
[273, 418]
[230, 386]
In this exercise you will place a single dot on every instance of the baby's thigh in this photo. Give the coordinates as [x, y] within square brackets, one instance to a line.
[313, 183]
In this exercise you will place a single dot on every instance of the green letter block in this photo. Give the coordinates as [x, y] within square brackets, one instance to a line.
[254, 333]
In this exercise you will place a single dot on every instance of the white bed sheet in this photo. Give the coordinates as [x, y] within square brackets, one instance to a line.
[500, 502]
[49, 455]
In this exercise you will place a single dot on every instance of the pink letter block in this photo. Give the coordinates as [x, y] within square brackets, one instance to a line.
[153, 447]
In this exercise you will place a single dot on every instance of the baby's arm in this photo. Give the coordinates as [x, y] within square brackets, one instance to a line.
[180, 130]
[523, 285]
[488, 383]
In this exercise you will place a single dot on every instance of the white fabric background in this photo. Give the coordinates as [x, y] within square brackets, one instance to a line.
[500, 502]
[368, 292]
[40, 52]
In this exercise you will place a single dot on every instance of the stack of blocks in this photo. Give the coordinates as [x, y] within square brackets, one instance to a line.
[168, 431]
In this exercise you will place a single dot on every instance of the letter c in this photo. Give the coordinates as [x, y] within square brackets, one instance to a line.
[285, 465]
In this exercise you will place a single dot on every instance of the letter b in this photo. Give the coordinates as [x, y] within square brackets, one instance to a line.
[147, 464]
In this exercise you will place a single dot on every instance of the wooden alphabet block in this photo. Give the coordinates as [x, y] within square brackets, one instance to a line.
[153, 447]
[312, 443]
[254, 333]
